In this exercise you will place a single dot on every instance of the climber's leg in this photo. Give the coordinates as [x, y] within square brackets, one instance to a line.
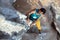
[38, 25]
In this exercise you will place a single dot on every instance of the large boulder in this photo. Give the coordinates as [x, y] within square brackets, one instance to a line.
[9, 30]
[26, 5]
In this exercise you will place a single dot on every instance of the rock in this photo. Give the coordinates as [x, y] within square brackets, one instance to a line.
[11, 30]
[7, 3]
[8, 26]
[9, 13]
[26, 5]
[56, 9]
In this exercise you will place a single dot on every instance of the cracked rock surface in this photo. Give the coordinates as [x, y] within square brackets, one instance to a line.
[12, 29]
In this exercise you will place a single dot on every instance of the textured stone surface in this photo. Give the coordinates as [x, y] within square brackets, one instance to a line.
[23, 6]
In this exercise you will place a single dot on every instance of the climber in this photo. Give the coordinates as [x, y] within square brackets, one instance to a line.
[34, 16]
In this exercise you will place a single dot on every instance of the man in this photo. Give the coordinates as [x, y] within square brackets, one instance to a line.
[35, 15]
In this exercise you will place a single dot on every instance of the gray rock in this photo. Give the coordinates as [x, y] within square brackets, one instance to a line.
[10, 14]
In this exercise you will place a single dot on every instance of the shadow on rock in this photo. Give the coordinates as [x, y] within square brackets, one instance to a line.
[4, 35]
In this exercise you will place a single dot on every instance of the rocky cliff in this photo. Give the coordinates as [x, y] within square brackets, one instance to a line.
[10, 27]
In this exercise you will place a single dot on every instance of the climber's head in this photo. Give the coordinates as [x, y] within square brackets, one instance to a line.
[43, 10]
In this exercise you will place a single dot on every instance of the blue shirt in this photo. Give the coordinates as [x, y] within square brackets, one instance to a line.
[34, 16]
